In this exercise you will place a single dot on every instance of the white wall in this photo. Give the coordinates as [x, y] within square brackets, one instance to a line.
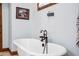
[5, 25]
[62, 26]
[23, 28]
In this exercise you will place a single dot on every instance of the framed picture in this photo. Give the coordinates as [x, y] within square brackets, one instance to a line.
[41, 6]
[22, 13]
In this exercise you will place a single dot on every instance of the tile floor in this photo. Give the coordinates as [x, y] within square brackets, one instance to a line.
[6, 53]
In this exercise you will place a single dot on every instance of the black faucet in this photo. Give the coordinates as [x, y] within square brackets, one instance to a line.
[44, 38]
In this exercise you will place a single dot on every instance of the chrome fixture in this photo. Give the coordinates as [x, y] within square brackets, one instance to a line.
[44, 38]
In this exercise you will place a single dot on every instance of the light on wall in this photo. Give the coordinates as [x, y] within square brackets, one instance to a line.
[50, 14]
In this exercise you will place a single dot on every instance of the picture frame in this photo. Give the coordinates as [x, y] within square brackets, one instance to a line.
[22, 13]
[41, 6]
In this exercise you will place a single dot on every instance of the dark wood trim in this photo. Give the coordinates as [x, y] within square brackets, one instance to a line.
[4, 49]
[1, 23]
[45, 6]
[13, 52]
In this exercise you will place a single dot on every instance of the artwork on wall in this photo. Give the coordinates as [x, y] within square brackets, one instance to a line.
[41, 6]
[22, 13]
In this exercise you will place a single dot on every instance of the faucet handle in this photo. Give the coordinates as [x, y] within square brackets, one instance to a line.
[42, 38]
[41, 31]
[45, 31]
[42, 44]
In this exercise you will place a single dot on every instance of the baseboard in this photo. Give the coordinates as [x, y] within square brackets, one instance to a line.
[4, 49]
[11, 52]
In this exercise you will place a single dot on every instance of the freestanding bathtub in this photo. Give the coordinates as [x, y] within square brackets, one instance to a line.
[33, 47]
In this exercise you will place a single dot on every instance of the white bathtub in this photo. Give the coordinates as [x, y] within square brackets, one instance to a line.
[33, 47]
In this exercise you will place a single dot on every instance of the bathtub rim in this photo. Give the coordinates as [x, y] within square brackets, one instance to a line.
[37, 54]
